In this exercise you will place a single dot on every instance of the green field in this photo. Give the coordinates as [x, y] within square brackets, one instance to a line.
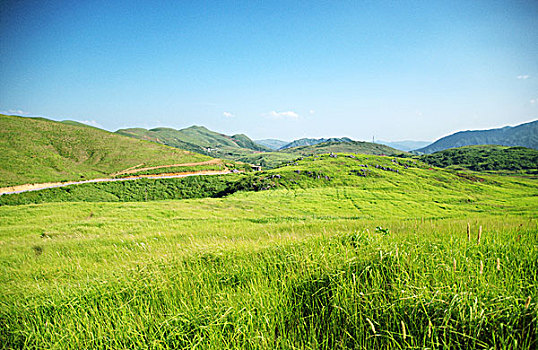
[36, 150]
[291, 262]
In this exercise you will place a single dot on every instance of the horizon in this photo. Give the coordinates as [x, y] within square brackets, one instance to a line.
[279, 70]
[268, 138]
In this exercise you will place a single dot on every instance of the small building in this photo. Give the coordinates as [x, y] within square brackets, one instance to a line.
[256, 167]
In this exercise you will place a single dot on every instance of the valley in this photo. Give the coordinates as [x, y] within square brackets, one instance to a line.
[343, 244]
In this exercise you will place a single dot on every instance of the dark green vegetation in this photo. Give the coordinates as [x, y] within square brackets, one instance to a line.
[325, 253]
[34, 150]
[487, 158]
[525, 135]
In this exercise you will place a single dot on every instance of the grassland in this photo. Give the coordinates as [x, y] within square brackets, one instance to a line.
[340, 261]
[34, 150]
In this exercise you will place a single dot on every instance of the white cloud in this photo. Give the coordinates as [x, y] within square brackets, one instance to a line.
[312, 111]
[534, 100]
[281, 115]
[228, 115]
[92, 123]
[523, 77]
[15, 112]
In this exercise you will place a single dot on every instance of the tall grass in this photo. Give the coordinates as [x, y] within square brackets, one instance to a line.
[317, 283]
[387, 261]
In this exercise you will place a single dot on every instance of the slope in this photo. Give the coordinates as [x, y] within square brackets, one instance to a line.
[525, 135]
[41, 150]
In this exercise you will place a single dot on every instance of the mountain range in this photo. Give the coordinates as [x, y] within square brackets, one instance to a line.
[70, 150]
[525, 135]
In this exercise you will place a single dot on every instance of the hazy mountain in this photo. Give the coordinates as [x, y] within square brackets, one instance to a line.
[525, 135]
[406, 145]
[310, 142]
[273, 144]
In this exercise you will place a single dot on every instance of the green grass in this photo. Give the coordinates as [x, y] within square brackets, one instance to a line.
[309, 264]
[34, 150]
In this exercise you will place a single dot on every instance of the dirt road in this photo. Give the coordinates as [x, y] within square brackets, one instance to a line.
[42, 186]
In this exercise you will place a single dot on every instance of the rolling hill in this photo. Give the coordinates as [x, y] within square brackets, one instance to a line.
[311, 142]
[199, 139]
[34, 150]
[525, 135]
[342, 147]
[486, 158]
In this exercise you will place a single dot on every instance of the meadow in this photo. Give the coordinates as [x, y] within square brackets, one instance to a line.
[328, 254]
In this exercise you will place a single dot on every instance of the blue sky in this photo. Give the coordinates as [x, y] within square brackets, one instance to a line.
[274, 69]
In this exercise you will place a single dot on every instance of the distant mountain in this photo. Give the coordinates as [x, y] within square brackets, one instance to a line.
[310, 142]
[525, 135]
[34, 150]
[343, 147]
[406, 145]
[272, 143]
[199, 139]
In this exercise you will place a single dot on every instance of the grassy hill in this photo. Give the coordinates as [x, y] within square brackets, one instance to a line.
[311, 142]
[325, 253]
[34, 150]
[343, 147]
[525, 135]
[199, 139]
[486, 158]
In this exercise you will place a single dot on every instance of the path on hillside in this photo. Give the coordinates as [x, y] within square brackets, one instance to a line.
[42, 186]
[135, 169]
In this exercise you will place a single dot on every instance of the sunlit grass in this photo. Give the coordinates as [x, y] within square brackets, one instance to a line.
[353, 264]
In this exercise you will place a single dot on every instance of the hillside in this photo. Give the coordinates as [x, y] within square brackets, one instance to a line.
[480, 158]
[199, 139]
[34, 150]
[273, 144]
[403, 177]
[343, 147]
[525, 135]
[311, 142]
